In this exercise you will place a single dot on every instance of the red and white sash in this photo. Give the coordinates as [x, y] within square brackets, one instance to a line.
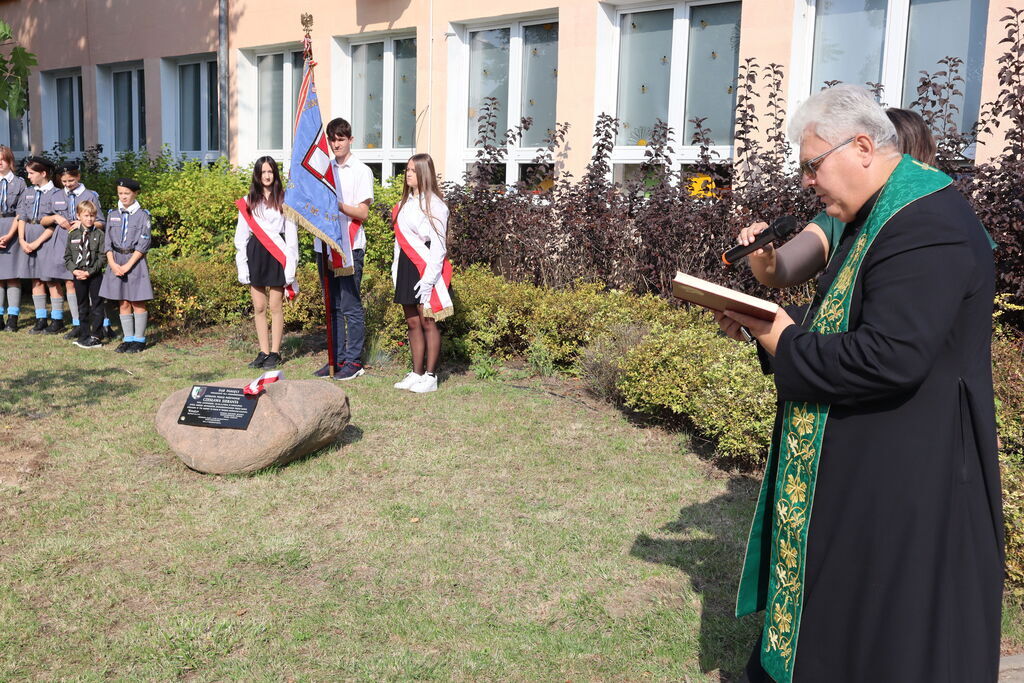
[413, 247]
[257, 386]
[337, 259]
[272, 243]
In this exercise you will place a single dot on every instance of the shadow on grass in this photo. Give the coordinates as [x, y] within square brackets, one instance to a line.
[712, 556]
[350, 435]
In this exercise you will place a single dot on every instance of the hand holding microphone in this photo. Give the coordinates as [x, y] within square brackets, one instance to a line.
[755, 237]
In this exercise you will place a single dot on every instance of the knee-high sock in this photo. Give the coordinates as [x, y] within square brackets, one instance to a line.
[128, 327]
[57, 307]
[39, 301]
[73, 304]
[3, 295]
[140, 326]
[14, 300]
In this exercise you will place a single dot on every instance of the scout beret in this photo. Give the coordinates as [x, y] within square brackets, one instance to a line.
[130, 183]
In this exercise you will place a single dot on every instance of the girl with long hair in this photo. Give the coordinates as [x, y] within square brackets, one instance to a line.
[420, 270]
[266, 253]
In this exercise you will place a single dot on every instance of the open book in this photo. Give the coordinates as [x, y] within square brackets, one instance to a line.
[719, 298]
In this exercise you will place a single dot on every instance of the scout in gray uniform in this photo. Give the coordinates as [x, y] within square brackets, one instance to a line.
[36, 224]
[13, 260]
[66, 205]
[127, 276]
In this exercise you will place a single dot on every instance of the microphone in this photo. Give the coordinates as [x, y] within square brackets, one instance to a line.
[781, 227]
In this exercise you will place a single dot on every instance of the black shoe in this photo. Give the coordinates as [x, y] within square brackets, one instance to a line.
[108, 333]
[272, 360]
[56, 326]
[73, 333]
[12, 324]
[123, 347]
[135, 347]
[325, 371]
[39, 327]
[88, 343]
[257, 362]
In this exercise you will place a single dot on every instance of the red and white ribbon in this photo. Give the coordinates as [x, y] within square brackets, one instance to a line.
[256, 387]
[274, 246]
[418, 252]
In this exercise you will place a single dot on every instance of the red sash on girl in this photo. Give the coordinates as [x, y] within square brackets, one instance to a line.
[268, 243]
[413, 247]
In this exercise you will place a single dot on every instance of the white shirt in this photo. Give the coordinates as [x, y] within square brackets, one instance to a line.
[413, 219]
[9, 177]
[280, 230]
[353, 184]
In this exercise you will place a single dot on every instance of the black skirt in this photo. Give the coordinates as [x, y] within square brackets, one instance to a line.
[406, 280]
[264, 270]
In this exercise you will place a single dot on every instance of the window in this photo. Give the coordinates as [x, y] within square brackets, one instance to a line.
[70, 113]
[675, 64]
[16, 132]
[383, 101]
[891, 41]
[279, 77]
[516, 65]
[198, 108]
[129, 106]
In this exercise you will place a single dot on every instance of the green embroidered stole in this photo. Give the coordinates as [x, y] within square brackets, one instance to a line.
[773, 569]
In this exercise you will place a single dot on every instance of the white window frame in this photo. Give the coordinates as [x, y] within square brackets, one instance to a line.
[48, 97]
[606, 99]
[247, 79]
[460, 155]
[105, 105]
[171, 108]
[897, 24]
[341, 88]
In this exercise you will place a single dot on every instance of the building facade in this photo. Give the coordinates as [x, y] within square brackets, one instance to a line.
[415, 75]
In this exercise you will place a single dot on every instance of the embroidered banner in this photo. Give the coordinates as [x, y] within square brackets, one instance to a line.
[310, 199]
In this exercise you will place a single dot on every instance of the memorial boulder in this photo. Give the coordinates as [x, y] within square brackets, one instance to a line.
[291, 419]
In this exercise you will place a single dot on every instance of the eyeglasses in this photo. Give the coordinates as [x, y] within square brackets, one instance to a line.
[809, 168]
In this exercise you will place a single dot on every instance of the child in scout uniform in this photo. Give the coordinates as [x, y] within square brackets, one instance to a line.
[127, 277]
[84, 258]
[36, 224]
[13, 260]
[66, 205]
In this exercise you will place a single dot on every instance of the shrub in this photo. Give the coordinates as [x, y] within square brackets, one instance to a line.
[194, 291]
[600, 363]
[688, 370]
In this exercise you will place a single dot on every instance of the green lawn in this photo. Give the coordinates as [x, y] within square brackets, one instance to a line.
[497, 530]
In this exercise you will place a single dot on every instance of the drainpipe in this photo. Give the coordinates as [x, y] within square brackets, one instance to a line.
[222, 76]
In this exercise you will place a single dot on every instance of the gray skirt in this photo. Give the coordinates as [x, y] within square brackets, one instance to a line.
[14, 262]
[51, 257]
[32, 233]
[135, 286]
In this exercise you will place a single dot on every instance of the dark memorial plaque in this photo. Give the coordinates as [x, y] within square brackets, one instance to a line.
[217, 407]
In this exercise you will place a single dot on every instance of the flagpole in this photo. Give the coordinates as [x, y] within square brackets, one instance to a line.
[325, 263]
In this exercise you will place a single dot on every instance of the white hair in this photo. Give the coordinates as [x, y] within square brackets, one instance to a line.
[841, 112]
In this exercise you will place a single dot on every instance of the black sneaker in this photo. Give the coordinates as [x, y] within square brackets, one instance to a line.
[135, 347]
[123, 347]
[12, 324]
[325, 371]
[39, 327]
[272, 360]
[257, 362]
[73, 333]
[56, 326]
[349, 371]
[88, 343]
[108, 333]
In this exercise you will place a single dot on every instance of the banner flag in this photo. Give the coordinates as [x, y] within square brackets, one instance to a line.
[310, 199]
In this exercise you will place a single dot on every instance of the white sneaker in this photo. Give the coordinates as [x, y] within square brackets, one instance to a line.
[409, 380]
[426, 383]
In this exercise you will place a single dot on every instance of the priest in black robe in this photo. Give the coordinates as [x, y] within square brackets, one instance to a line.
[877, 545]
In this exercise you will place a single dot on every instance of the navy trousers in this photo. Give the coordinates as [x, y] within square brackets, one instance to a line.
[347, 318]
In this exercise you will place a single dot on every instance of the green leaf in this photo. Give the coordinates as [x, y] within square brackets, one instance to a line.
[5, 31]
